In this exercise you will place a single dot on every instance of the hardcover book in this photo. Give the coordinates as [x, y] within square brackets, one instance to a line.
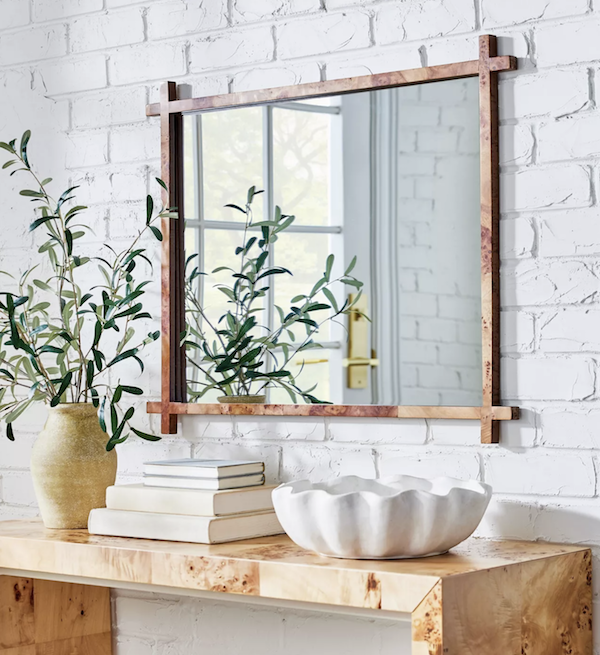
[204, 483]
[204, 468]
[175, 527]
[192, 502]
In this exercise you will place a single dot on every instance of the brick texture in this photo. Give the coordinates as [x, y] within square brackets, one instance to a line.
[79, 73]
[230, 49]
[331, 33]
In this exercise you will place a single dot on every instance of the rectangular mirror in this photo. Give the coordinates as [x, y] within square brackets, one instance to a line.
[390, 177]
[366, 207]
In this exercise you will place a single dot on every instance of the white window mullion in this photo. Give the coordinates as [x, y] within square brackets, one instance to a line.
[269, 208]
[198, 223]
[199, 198]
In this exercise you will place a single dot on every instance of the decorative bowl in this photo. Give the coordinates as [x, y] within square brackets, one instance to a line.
[394, 517]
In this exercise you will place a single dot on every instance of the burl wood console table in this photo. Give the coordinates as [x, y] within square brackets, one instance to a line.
[483, 598]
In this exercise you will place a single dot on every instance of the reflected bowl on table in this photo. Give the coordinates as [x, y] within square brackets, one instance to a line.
[390, 518]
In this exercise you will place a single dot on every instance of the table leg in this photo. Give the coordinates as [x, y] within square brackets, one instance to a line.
[38, 617]
[542, 607]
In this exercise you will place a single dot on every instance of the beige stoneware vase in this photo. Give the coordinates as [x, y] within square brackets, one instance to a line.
[70, 466]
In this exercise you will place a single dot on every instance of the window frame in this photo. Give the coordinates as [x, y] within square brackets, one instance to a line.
[201, 225]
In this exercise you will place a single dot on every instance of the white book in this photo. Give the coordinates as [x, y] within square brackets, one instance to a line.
[192, 502]
[175, 527]
[204, 468]
[204, 483]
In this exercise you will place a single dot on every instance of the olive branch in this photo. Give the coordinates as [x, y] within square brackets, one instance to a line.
[53, 333]
[239, 356]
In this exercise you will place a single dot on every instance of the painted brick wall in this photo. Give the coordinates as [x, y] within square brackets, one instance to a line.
[79, 72]
[440, 299]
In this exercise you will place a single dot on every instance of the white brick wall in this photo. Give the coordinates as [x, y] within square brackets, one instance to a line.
[514, 12]
[176, 18]
[228, 49]
[79, 72]
[437, 367]
[33, 44]
[555, 92]
[95, 32]
[413, 20]
[568, 43]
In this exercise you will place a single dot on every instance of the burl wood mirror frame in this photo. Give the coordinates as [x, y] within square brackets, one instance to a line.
[171, 110]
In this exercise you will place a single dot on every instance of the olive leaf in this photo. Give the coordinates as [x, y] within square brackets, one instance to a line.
[53, 344]
[236, 354]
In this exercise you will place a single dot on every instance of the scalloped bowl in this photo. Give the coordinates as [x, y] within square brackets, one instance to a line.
[390, 518]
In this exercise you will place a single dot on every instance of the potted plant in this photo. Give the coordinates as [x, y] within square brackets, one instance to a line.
[63, 345]
[236, 354]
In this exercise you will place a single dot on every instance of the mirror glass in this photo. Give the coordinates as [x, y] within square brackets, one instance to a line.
[390, 177]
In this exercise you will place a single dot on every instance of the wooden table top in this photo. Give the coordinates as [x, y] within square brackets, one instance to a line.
[270, 567]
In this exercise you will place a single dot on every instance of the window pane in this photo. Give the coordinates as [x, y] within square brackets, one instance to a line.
[191, 244]
[232, 150]
[305, 256]
[301, 154]
[188, 167]
[219, 250]
[327, 101]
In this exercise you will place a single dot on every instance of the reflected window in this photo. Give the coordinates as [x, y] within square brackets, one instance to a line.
[391, 176]
[293, 151]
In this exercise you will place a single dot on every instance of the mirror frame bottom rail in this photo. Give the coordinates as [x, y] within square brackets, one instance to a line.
[369, 411]
[171, 109]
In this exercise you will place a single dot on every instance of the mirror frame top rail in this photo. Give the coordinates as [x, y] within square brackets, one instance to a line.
[173, 361]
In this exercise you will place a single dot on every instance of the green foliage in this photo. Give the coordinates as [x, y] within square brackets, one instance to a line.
[237, 355]
[58, 342]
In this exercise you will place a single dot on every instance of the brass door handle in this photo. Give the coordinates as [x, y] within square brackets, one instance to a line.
[359, 361]
[308, 362]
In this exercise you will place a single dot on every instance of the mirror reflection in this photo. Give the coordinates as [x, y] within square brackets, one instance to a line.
[390, 177]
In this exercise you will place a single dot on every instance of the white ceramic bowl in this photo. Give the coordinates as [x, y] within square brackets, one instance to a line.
[390, 518]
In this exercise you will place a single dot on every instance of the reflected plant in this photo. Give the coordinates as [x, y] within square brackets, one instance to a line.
[53, 333]
[236, 354]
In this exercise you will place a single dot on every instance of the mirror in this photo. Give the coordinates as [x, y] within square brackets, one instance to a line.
[390, 176]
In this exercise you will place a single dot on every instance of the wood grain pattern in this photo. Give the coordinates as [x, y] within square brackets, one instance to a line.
[238, 567]
[490, 236]
[171, 109]
[427, 631]
[482, 598]
[371, 411]
[84, 611]
[557, 606]
[534, 608]
[335, 87]
[333, 586]
[38, 617]
[88, 645]
[168, 92]
[16, 613]
[172, 260]
[481, 614]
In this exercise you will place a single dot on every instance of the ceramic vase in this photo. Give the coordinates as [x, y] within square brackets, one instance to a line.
[70, 466]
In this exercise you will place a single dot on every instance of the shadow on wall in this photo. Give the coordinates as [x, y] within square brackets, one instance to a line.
[520, 433]
[573, 525]
[577, 524]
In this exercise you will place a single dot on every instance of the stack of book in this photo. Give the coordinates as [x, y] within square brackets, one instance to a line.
[198, 501]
